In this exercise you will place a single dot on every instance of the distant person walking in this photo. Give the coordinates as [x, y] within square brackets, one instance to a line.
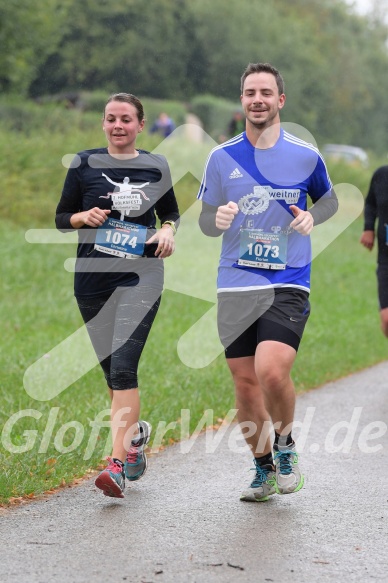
[236, 124]
[164, 125]
[119, 273]
[376, 208]
[254, 193]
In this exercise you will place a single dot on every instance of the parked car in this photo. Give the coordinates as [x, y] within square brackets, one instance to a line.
[350, 154]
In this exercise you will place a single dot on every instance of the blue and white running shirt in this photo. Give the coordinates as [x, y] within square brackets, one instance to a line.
[264, 183]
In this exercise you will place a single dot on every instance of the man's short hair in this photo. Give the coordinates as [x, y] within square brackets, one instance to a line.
[263, 68]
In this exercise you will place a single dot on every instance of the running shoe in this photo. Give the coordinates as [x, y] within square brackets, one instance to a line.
[112, 480]
[262, 486]
[136, 461]
[288, 475]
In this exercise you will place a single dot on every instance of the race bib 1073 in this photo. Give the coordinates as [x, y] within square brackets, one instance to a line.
[262, 250]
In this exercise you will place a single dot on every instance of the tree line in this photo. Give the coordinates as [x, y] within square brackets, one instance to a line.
[334, 62]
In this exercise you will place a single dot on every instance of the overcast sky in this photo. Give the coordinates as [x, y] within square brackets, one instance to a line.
[364, 6]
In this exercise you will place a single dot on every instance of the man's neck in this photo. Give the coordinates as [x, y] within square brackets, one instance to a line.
[263, 138]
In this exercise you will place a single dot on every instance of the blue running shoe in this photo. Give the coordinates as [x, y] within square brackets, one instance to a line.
[112, 480]
[262, 486]
[288, 475]
[136, 461]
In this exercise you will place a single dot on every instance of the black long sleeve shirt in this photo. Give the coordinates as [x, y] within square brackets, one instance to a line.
[89, 183]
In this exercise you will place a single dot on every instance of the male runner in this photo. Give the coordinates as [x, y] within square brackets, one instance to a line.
[254, 193]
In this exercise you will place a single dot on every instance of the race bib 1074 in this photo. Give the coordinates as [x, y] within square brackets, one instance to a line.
[121, 239]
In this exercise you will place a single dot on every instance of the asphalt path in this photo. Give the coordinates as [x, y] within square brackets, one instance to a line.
[184, 522]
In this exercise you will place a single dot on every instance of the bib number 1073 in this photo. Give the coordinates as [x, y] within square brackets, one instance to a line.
[263, 250]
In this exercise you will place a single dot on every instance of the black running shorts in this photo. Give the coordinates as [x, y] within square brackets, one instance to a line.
[247, 318]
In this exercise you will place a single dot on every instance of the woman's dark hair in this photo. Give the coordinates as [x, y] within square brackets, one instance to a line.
[128, 98]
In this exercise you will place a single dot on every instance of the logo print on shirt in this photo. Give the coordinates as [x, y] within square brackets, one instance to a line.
[254, 203]
[127, 197]
[235, 174]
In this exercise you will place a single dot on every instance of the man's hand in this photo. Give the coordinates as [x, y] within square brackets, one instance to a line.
[303, 222]
[368, 239]
[225, 215]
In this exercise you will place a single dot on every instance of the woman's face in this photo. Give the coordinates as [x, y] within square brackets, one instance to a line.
[121, 126]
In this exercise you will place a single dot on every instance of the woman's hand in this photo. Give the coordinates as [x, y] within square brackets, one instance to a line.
[164, 237]
[95, 217]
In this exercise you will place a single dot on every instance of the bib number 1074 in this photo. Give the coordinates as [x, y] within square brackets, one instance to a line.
[121, 238]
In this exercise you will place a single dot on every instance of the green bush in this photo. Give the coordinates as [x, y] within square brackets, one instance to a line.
[341, 172]
[215, 114]
[30, 118]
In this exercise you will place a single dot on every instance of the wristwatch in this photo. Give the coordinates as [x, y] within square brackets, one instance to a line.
[171, 224]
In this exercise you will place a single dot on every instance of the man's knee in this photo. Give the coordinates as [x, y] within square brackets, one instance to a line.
[244, 379]
[273, 365]
[274, 380]
[245, 384]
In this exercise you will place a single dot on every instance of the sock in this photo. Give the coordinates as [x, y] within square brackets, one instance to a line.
[264, 460]
[283, 440]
